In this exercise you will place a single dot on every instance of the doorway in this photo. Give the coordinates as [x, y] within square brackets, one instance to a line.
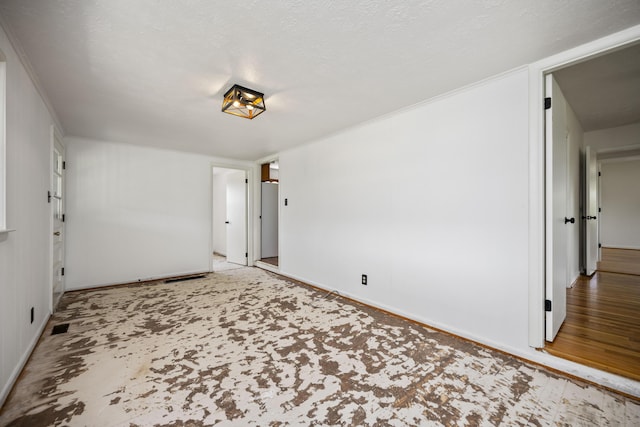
[229, 218]
[269, 196]
[601, 94]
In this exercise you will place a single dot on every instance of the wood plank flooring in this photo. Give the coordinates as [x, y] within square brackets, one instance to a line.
[602, 328]
[616, 260]
[272, 260]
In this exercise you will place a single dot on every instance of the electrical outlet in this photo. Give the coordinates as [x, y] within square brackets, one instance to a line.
[32, 314]
[364, 279]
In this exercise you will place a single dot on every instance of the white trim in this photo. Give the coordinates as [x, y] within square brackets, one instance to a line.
[258, 201]
[269, 267]
[249, 175]
[633, 248]
[617, 150]
[3, 141]
[54, 134]
[537, 165]
[267, 159]
[23, 361]
[620, 159]
[141, 280]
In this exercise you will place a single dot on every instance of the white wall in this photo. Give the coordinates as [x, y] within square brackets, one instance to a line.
[24, 254]
[620, 202]
[431, 203]
[604, 142]
[220, 210]
[135, 213]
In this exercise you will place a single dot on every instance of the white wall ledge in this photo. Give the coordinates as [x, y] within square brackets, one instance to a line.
[7, 231]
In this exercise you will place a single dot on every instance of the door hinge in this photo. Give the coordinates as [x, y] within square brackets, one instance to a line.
[246, 181]
[63, 217]
[547, 305]
[246, 254]
[599, 173]
[599, 245]
[64, 165]
[48, 196]
[547, 103]
[62, 271]
[599, 209]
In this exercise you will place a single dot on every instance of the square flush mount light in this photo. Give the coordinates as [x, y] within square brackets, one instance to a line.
[243, 102]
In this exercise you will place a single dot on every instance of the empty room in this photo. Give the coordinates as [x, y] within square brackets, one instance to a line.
[404, 213]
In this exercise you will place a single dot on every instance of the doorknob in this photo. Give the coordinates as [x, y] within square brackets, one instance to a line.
[571, 220]
[56, 233]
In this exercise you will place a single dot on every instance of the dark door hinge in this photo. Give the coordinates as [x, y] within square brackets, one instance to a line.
[599, 173]
[63, 217]
[599, 245]
[246, 181]
[547, 305]
[547, 103]
[62, 271]
[599, 209]
[64, 165]
[246, 254]
[48, 196]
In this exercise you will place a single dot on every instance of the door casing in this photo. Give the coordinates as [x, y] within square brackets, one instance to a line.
[537, 164]
[56, 211]
[251, 172]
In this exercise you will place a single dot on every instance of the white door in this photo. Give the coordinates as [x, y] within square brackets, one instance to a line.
[56, 197]
[591, 212]
[237, 218]
[556, 209]
[269, 223]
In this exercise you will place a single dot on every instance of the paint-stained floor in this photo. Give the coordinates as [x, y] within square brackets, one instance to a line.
[244, 347]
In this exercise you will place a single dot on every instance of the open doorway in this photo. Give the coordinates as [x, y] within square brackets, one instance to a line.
[594, 113]
[269, 191]
[229, 218]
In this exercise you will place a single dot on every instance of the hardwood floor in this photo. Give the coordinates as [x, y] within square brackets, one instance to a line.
[602, 328]
[617, 260]
[272, 260]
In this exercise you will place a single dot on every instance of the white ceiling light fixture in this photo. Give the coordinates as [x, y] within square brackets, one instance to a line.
[243, 102]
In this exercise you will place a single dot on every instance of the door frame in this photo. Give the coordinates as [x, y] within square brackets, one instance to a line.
[55, 135]
[250, 173]
[257, 220]
[537, 165]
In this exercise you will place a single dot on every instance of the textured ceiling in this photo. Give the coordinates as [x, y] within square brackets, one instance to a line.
[153, 72]
[604, 92]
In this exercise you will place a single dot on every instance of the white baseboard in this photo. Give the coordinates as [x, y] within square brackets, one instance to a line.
[6, 389]
[141, 280]
[634, 248]
[269, 267]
